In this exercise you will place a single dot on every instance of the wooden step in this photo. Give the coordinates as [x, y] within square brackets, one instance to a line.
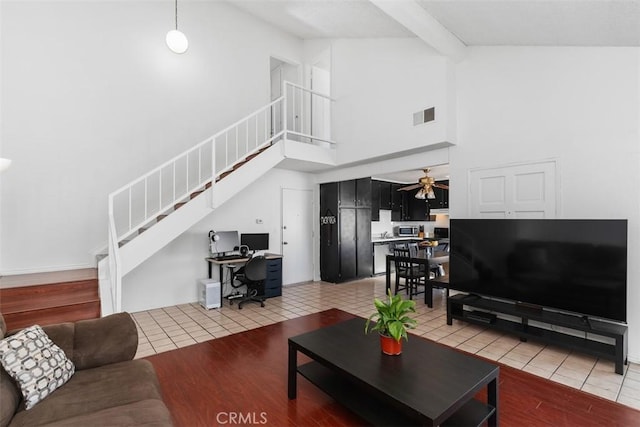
[179, 205]
[195, 194]
[239, 164]
[50, 303]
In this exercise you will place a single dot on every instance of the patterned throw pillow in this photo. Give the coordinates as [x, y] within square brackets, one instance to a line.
[36, 363]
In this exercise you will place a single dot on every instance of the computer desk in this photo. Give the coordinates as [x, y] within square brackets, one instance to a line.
[275, 279]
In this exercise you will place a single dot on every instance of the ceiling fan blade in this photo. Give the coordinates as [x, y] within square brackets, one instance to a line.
[410, 187]
[443, 186]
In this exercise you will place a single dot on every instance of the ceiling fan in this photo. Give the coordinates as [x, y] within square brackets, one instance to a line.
[426, 184]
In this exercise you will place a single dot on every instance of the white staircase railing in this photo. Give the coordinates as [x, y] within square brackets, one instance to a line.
[307, 114]
[300, 114]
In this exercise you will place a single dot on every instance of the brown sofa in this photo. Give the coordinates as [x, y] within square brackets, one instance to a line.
[108, 387]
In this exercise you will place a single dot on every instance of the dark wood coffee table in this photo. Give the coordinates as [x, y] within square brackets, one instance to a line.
[428, 384]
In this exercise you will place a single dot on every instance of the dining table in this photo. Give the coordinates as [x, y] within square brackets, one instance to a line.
[429, 259]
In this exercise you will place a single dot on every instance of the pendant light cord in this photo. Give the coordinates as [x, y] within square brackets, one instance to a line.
[176, 14]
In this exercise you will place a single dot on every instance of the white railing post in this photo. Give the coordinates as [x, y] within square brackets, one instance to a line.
[115, 276]
[285, 125]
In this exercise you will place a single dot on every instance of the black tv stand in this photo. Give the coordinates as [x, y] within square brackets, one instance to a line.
[461, 307]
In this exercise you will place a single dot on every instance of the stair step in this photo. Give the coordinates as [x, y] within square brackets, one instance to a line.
[121, 243]
[142, 230]
[207, 185]
[161, 217]
[179, 205]
[51, 303]
[49, 316]
[195, 194]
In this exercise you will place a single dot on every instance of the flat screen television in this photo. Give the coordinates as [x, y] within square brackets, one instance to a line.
[575, 265]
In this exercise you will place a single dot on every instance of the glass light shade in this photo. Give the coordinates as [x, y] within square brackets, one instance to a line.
[421, 194]
[177, 41]
[4, 164]
[431, 194]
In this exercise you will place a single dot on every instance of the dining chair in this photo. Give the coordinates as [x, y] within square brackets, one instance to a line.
[407, 271]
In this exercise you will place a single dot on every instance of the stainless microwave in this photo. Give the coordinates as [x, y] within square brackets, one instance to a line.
[405, 231]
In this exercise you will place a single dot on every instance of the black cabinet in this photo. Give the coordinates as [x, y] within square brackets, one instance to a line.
[348, 233]
[363, 192]
[405, 207]
[417, 209]
[364, 249]
[273, 281]
[355, 193]
[347, 197]
[329, 233]
[375, 200]
[385, 195]
[345, 230]
[397, 213]
[442, 197]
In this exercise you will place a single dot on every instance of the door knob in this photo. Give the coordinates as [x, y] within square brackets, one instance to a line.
[285, 243]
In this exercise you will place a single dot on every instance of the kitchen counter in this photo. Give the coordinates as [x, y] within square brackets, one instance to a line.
[393, 239]
[400, 239]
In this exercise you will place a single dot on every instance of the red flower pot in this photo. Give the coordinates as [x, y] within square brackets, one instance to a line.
[390, 346]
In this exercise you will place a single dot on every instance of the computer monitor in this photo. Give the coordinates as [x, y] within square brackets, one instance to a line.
[226, 241]
[255, 241]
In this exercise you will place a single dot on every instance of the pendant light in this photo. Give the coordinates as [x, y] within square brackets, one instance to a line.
[176, 40]
[4, 164]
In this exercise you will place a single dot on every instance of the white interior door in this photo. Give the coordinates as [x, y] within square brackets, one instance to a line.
[297, 235]
[519, 191]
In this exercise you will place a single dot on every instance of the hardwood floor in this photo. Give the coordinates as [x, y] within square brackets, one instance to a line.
[241, 379]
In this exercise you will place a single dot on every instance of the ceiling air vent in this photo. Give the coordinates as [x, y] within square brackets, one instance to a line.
[424, 116]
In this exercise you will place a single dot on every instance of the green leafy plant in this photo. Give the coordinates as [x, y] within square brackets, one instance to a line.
[392, 317]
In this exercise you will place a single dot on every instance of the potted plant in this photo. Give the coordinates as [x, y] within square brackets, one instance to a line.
[392, 321]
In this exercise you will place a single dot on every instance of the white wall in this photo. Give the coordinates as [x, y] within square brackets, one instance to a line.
[92, 98]
[170, 277]
[378, 85]
[577, 105]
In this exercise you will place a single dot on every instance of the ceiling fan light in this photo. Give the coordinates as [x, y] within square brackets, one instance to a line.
[421, 194]
[430, 193]
[177, 41]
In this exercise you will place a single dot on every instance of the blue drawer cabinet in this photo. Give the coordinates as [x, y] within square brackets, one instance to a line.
[273, 282]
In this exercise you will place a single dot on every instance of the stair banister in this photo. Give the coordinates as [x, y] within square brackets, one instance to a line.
[297, 88]
[278, 107]
[115, 278]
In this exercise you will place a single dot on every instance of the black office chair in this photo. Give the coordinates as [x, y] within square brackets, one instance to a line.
[253, 276]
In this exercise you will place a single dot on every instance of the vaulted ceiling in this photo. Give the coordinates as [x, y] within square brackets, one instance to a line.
[472, 22]
[450, 26]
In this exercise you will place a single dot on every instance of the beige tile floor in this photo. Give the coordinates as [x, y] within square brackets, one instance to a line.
[179, 326]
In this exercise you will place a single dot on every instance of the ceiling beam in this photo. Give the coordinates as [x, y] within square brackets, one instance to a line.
[415, 18]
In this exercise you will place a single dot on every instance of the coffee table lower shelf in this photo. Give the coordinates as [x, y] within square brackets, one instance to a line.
[378, 412]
